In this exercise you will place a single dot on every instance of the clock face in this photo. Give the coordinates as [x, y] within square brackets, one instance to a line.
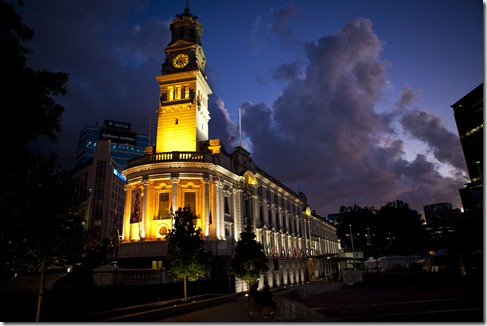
[180, 61]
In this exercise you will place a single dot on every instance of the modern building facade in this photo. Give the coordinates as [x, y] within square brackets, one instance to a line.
[225, 191]
[469, 118]
[125, 143]
[439, 214]
[100, 179]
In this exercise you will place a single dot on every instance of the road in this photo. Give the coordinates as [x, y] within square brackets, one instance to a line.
[18, 298]
[427, 300]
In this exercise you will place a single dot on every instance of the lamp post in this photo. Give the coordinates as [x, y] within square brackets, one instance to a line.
[353, 249]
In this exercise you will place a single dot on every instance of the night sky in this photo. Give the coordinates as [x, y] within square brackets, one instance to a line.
[346, 101]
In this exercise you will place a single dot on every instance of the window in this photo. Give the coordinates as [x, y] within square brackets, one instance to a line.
[177, 92]
[190, 200]
[164, 205]
[227, 206]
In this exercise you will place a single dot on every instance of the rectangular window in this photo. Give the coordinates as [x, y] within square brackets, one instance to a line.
[227, 206]
[163, 205]
[190, 200]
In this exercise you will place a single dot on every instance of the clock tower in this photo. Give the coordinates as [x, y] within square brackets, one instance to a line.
[183, 115]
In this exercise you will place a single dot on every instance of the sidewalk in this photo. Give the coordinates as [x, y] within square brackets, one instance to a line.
[288, 309]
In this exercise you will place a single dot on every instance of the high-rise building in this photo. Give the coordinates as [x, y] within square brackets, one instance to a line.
[125, 143]
[101, 180]
[224, 191]
[439, 214]
[469, 117]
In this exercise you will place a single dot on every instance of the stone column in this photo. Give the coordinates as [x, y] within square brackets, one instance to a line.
[143, 231]
[174, 201]
[126, 215]
[220, 209]
[206, 181]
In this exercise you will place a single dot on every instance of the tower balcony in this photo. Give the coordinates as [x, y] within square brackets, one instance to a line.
[170, 157]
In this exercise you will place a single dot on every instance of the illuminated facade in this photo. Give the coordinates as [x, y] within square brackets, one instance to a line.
[225, 191]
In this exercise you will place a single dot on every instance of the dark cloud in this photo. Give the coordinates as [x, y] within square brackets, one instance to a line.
[281, 23]
[323, 136]
[444, 145]
[408, 96]
[277, 25]
[286, 71]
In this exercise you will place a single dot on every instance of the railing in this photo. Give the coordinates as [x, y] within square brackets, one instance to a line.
[167, 157]
[141, 276]
[110, 276]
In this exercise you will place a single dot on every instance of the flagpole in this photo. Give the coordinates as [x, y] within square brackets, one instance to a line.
[240, 126]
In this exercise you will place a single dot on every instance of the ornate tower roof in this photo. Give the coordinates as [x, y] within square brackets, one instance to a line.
[186, 32]
[186, 27]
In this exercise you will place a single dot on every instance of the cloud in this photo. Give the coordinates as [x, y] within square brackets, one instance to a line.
[427, 127]
[281, 22]
[286, 71]
[275, 25]
[323, 136]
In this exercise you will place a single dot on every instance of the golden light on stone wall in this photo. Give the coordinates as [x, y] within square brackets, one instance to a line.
[157, 207]
[176, 129]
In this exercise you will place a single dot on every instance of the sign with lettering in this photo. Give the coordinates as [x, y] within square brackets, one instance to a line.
[117, 125]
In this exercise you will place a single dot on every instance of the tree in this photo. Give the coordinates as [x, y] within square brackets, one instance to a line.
[41, 217]
[46, 220]
[186, 253]
[399, 229]
[249, 260]
[395, 228]
[28, 96]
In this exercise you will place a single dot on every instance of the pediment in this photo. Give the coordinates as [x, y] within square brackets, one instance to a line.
[179, 44]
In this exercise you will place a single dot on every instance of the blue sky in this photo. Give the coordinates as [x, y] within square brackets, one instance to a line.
[347, 101]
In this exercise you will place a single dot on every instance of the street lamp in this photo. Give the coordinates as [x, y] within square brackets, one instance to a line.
[353, 249]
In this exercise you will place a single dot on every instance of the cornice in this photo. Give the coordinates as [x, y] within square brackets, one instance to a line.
[156, 167]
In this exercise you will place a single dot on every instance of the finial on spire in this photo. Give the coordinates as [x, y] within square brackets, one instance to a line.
[186, 10]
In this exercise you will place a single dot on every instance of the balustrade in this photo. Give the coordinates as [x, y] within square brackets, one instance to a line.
[167, 157]
[120, 276]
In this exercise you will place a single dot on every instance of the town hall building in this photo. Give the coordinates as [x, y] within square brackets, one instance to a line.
[225, 191]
